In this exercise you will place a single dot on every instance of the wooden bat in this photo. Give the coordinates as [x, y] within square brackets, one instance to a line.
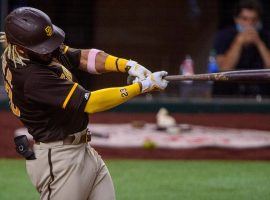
[261, 75]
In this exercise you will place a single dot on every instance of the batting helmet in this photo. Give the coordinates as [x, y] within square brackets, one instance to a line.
[32, 29]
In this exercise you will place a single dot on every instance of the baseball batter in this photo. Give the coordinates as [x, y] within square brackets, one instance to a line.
[39, 77]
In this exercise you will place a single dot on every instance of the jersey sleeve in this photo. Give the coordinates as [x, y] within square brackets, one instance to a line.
[44, 87]
[69, 57]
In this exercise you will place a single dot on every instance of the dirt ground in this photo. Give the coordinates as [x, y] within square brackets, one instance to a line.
[8, 124]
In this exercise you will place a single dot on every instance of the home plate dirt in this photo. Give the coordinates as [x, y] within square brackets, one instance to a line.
[147, 136]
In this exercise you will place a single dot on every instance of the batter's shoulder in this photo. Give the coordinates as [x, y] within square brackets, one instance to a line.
[37, 73]
[36, 70]
[34, 67]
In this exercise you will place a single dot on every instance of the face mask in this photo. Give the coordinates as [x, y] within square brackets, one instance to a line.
[241, 28]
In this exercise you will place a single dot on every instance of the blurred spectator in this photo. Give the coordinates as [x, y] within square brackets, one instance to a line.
[245, 45]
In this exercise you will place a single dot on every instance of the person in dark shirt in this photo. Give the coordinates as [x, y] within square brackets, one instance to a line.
[246, 45]
[39, 73]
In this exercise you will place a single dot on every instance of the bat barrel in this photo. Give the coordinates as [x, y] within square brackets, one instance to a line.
[236, 76]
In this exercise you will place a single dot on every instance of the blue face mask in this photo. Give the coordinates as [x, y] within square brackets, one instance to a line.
[240, 28]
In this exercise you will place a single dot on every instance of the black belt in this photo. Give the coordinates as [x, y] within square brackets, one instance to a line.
[86, 137]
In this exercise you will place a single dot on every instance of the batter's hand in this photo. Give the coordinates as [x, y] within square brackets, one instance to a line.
[154, 81]
[138, 71]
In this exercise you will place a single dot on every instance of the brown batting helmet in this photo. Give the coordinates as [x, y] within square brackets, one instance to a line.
[32, 29]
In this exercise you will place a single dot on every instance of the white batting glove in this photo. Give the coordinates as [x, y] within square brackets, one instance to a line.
[154, 82]
[138, 71]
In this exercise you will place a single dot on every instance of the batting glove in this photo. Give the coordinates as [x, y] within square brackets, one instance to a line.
[136, 70]
[154, 81]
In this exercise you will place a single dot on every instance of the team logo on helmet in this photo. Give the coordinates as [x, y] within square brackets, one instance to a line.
[48, 31]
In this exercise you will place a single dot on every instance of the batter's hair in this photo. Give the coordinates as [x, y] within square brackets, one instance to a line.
[250, 5]
[10, 52]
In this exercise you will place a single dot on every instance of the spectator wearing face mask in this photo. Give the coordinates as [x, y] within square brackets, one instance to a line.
[245, 45]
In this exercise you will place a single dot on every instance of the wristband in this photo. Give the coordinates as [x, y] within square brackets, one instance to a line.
[115, 64]
[91, 61]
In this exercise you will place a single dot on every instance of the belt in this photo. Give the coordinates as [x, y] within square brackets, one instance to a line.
[77, 138]
[83, 139]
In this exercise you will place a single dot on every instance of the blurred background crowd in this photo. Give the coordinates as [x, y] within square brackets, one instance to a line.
[190, 120]
[179, 36]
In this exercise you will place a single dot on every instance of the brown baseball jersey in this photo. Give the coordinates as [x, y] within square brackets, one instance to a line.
[47, 98]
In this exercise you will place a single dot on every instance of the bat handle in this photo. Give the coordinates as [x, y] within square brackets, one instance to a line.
[130, 79]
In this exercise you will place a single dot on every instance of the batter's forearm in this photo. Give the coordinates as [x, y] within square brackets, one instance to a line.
[101, 62]
[106, 99]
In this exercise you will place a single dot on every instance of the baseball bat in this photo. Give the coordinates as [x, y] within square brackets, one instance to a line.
[261, 75]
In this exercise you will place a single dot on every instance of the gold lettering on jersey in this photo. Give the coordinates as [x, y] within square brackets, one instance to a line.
[4, 66]
[9, 77]
[66, 74]
[48, 31]
[16, 111]
[8, 87]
